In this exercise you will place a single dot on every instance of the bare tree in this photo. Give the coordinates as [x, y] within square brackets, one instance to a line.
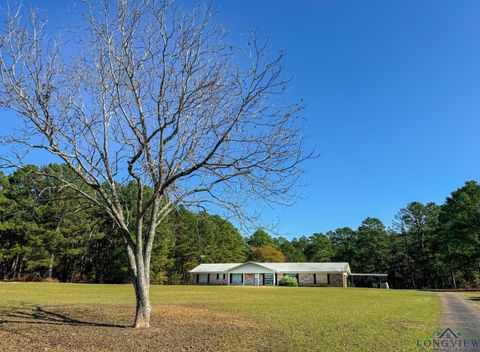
[152, 94]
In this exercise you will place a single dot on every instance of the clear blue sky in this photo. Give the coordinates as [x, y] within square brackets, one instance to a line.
[393, 100]
[393, 96]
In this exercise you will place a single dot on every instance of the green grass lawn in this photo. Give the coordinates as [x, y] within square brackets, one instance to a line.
[214, 318]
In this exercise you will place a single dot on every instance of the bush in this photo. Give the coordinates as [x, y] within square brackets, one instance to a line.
[288, 281]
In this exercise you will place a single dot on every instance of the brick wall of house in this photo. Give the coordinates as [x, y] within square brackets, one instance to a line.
[336, 280]
[279, 277]
[305, 280]
[249, 279]
[308, 279]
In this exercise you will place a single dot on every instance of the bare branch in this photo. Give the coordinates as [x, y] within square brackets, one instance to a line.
[156, 97]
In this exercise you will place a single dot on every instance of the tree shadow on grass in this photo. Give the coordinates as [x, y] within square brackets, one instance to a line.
[39, 315]
[475, 298]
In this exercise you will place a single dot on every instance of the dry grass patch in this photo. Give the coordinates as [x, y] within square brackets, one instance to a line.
[106, 328]
[473, 296]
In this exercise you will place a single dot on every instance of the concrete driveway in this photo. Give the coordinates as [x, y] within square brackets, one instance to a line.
[458, 311]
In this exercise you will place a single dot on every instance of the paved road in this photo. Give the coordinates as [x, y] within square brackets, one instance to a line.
[458, 311]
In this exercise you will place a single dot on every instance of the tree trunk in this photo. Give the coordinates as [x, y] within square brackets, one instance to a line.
[453, 280]
[141, 283]
[142, 295]
[50, 267]
[15, 267]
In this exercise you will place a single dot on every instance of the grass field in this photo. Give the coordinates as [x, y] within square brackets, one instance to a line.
[81, 317]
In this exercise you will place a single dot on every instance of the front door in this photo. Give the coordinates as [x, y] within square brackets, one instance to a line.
[257, 279]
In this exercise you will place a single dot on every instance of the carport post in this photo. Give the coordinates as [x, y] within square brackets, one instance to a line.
[344, 280]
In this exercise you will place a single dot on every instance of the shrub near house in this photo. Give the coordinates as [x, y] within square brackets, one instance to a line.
[288, 281]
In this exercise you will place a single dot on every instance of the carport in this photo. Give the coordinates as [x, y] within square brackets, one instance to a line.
[382, 279]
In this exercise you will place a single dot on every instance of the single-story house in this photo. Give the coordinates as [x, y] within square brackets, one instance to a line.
[269, 274]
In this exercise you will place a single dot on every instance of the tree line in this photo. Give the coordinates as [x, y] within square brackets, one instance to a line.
[47, 232]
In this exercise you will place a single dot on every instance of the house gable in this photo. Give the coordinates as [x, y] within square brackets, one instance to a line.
[251, 267]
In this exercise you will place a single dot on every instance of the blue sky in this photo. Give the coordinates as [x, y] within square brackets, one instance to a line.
[392, 90]
[393, 100]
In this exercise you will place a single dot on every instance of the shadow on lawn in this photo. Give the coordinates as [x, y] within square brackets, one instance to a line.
[40, 315]
[476, 298]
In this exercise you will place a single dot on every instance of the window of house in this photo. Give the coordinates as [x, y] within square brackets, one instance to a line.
[295, 275]
[218, 276]
[202, 278]
[236, 278]
[322, 279]
[268, 279]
